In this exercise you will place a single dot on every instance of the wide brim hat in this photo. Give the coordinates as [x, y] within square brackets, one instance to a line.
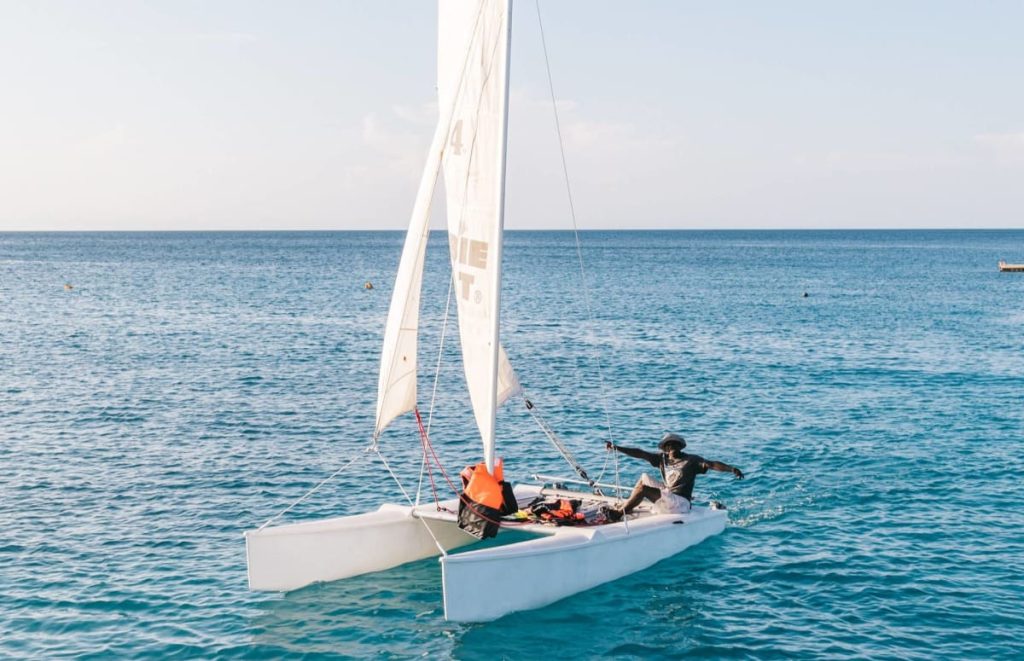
[671, 439]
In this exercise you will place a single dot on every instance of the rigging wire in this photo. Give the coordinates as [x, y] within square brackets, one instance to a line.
[317, 487]
[437, 378]
[424, 441]
[387, 466]
[576, 234]
[440, 352]
[405, 493]
[459, 493]
[560, 446]
[604, 467]
[572, 213]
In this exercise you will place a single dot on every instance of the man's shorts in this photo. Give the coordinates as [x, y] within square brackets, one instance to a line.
[669, 503]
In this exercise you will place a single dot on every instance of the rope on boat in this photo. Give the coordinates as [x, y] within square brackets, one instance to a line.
[615, 459]
[575, 226]
[604, 469]
[425, 442]
[579, 249]
[458, 492]
[316, 488]
[394, 477]
[560, 446]
[433, 393]
[430, 532]
[374, 447]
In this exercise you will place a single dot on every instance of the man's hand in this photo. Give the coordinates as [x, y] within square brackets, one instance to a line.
[737, 472]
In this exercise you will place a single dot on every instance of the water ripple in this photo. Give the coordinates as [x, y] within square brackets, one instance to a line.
[191, 385]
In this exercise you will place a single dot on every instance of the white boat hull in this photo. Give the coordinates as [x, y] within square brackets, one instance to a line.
[293, 556]
[479, 585]
[484, 585]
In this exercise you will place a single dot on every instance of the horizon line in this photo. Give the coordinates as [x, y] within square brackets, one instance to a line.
[587, 229]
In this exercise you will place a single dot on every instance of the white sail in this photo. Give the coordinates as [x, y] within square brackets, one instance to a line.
[474, 42]
[396, 385]
[508, 382]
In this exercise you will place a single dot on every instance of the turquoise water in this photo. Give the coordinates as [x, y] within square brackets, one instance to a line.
[190, 386]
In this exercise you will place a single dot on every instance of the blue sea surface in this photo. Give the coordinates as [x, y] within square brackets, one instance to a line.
[189, 386]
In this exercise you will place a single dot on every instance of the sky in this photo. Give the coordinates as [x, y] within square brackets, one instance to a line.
[244, 114]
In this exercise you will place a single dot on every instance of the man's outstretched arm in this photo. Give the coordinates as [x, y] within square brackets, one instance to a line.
[725, 468]
[636, 453]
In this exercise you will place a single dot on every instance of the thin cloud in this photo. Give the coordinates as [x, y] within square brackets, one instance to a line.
[424, 114]
[396, 142]
[1009, 144]
[228, 38]
[1013, 139]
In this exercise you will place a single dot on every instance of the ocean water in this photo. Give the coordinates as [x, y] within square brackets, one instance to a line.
[189, 386]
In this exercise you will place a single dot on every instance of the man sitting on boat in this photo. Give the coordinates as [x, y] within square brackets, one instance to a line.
[678, 472]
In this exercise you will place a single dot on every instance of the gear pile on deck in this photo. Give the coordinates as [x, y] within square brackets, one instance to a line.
[487, 502]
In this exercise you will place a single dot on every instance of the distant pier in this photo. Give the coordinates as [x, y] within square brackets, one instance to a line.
[1003, 266]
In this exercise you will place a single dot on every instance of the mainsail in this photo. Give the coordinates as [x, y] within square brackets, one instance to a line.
[473, 49]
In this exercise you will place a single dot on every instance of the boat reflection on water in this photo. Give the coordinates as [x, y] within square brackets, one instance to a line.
[387, 612]
[392, 612]
[382, 613]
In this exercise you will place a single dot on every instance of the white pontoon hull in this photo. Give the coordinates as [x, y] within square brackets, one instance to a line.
[479, 585]
[290, 557]
[486, 584]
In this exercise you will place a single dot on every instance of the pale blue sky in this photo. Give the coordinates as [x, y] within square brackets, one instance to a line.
[317, 115]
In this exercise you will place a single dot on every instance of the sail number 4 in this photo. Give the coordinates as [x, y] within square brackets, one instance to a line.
[456, 140]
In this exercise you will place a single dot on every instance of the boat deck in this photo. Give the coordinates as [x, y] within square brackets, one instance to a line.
[526, 493]
[1004, 267]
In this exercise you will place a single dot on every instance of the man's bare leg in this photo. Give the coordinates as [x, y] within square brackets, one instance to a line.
[640, 491]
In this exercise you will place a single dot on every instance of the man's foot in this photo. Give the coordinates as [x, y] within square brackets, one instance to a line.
[614, 514]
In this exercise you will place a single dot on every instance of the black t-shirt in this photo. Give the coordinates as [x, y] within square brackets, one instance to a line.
[679, 475]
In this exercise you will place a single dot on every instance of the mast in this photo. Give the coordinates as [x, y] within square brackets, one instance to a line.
[498, 244]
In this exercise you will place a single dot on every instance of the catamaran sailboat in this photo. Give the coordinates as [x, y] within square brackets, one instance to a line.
[557, 560]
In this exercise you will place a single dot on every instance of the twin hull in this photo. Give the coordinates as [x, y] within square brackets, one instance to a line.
[479, 585]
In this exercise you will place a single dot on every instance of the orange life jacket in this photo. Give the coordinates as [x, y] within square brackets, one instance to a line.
[481, 486]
